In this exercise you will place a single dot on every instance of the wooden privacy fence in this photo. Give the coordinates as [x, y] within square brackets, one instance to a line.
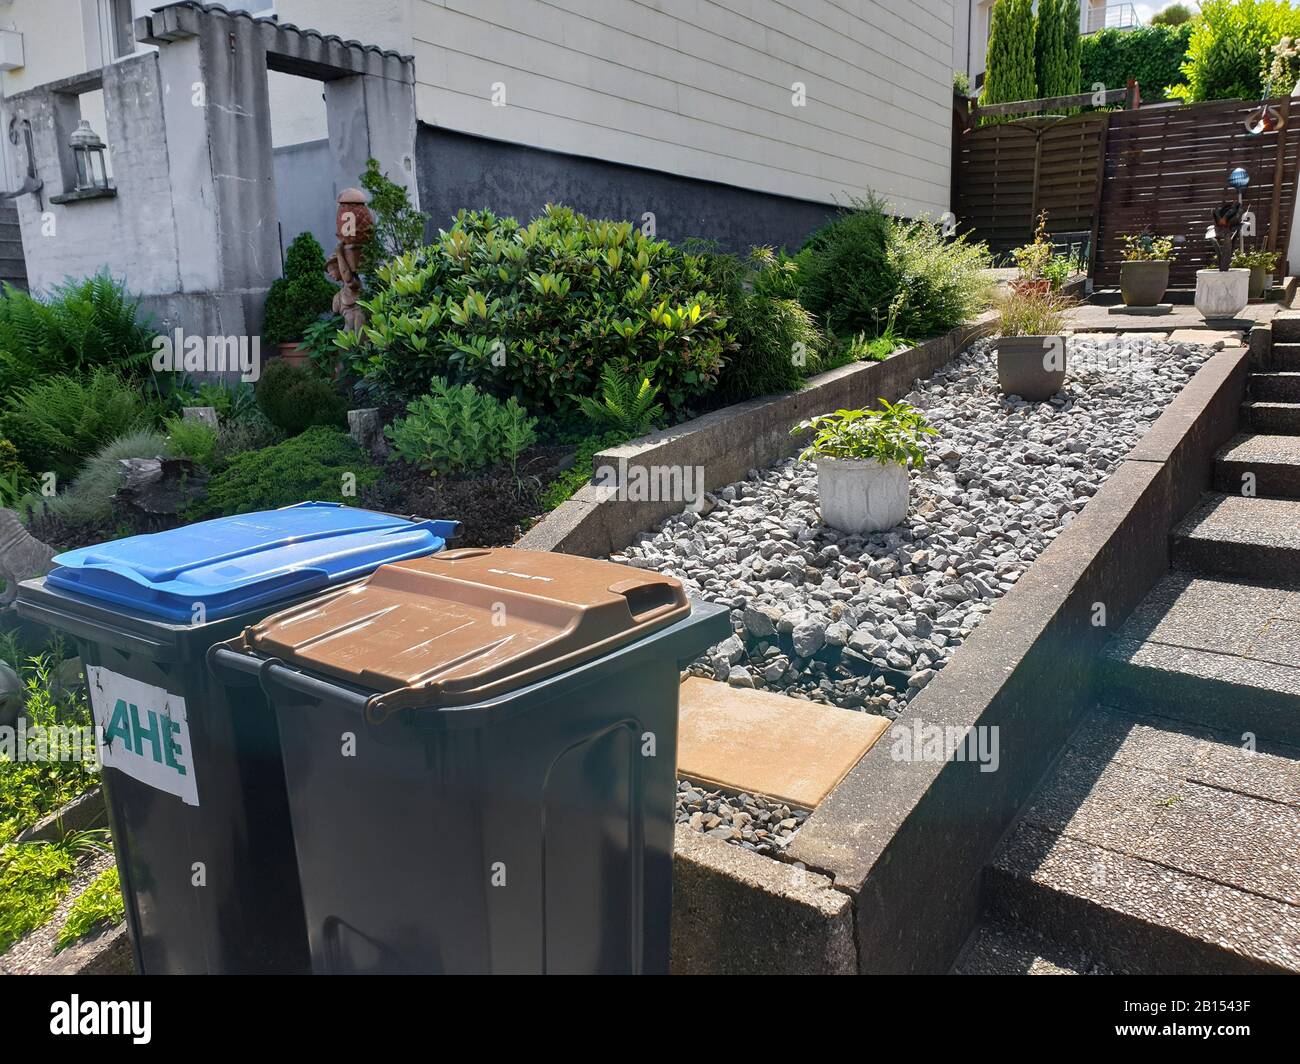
[1167, 169]
[1009, 172]
[1157, 170]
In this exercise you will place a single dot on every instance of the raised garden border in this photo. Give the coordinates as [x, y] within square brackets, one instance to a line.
[726, 444]
[894, 856]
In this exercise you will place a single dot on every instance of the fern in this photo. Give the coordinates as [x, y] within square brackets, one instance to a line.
[624, 406]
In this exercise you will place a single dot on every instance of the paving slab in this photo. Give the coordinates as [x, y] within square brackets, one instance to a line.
[760, 742]
[1212, 337]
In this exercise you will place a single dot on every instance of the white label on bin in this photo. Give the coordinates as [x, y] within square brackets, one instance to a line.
[142, 731]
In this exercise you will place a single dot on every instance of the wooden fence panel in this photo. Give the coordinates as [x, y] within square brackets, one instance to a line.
[1167, 169]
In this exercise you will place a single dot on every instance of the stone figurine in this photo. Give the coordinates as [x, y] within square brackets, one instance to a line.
[353, 223]
[22, 555]
[1224, 232]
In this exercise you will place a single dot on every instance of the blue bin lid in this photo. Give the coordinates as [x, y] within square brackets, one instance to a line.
[235, 564]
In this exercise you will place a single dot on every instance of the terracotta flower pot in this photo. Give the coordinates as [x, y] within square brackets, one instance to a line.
[1143, 284]
[1032, 367]
[1259, 279]
[294, 354]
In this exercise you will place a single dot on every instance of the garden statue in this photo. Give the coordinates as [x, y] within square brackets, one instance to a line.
[1222, 293]
[1224, 232]
[353, 225]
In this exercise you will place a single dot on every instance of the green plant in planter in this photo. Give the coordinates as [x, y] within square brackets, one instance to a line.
[1032, 312]
[458, 429]
[301, 296]
[624, 406]
[893, 434]
[1141, 247]
[1257, 259]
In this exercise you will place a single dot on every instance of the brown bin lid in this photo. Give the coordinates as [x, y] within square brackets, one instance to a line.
[465, 625]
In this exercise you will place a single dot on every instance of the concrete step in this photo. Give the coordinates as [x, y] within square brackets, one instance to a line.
[1001, 947]
[1271, 461]
[1281, 419]
[1275, 387]
[1211, 651]
[1283, 357]
[1286, 327]
[1160, 848]
[1228, 535]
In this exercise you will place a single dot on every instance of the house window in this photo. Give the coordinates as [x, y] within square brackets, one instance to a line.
[123, 35]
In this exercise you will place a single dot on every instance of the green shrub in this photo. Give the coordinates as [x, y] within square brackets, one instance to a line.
[537, 310]
[844, 273]
[57, 423]
[776, 339]
[31, 789]
[229, 400]
[398, 228]
[1010, 73]
[293, 399]
[625, 406]
[249, 432]
[301, 296]
[457, 429]
[1152, 54]
[89, 500]
[318, 465]
[1173, 15]
[100, 906]
[11, 466]
[941, 282]
[190, 439]
[1227, 45]
[80, 326]
[34, 877]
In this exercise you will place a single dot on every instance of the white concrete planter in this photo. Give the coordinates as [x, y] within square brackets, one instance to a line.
[1222, 293]
[862, 496]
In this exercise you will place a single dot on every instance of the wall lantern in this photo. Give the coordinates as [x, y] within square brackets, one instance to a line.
[88, 152]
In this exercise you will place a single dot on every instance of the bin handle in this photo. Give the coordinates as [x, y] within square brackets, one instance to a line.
[646, 599]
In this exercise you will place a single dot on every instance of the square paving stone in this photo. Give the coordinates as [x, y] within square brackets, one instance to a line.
[760, 742]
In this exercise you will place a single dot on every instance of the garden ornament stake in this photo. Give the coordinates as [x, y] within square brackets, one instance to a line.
[353, 224]
[1224, 232]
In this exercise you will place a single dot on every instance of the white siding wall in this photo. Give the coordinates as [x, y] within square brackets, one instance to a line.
[703, 87]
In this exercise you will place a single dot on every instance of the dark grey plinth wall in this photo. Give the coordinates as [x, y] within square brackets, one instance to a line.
[458, 170]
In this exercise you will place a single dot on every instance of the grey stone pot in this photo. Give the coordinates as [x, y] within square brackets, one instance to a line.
[1143, 284]
[1259, 278]
[1032, 367]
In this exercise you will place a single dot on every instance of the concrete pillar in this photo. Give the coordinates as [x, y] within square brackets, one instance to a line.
[373, 114]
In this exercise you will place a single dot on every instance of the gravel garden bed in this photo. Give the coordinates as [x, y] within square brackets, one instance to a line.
[865, 622]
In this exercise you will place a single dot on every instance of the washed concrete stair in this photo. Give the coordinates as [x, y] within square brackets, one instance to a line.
[1219, 652]
[1002, 947]
[1231, 535]
[1283, 358]
[1281, 387]
[1158, 846]
[1273, 459]
[1280, 419]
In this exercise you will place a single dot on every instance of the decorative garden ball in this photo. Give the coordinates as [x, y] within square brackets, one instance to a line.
[1239, 178]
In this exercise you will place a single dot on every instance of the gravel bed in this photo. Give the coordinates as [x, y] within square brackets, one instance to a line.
[749, 820]
[865, 622]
